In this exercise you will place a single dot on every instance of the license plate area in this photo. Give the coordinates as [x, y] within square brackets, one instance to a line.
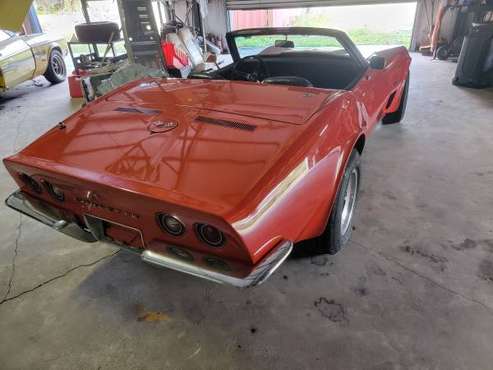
[113, 232]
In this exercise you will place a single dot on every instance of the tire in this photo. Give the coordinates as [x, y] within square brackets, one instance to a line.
[97, 32]
[339, 227]
[443, 52]
[57, 70]
[398, 115]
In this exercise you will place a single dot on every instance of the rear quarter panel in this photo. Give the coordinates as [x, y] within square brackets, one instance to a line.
[293, 201]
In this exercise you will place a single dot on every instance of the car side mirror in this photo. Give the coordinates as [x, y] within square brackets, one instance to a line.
[377, 62]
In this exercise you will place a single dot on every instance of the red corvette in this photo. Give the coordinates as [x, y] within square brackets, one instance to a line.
[219, 174]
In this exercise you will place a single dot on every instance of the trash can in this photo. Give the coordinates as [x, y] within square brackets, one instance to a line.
[475, 64]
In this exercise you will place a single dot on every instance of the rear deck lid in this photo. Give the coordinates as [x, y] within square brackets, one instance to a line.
[287, 104]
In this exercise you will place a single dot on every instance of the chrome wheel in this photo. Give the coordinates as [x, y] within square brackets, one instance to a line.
[349, 201]
[58, 66]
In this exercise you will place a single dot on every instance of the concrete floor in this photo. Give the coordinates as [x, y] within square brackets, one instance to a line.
[413, 290]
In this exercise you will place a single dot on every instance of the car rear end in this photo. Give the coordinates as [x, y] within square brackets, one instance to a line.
[92, 207]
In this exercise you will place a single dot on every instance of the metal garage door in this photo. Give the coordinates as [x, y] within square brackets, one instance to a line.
[270, 4]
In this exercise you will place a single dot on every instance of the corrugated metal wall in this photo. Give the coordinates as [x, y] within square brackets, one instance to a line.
[252, 19]
[426, 11]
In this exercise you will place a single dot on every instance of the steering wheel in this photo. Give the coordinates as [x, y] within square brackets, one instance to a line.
[258, 73]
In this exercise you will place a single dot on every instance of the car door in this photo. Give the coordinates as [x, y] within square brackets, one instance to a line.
[16, 60]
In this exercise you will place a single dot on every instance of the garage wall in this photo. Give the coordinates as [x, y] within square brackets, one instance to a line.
[426, 11]
[216, 21]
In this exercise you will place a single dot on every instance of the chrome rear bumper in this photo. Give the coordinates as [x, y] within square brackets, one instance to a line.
[258, 274]
[34, 209]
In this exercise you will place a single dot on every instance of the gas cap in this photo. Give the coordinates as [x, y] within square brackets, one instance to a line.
[156, 127]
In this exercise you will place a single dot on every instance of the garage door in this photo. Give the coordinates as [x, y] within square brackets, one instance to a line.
[270, 4]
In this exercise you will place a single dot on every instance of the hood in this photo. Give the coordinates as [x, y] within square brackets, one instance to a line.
[200, 140]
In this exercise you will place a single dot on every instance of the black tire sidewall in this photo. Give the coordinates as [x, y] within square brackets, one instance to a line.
[50, 74]
[337, 239]
[332, 241]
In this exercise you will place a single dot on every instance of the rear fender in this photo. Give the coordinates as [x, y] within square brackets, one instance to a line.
[306, 179]
[350, 125]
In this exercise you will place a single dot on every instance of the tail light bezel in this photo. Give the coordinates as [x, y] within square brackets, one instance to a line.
[30, 182]
[50, 189]
[200, 235]
[162, 225]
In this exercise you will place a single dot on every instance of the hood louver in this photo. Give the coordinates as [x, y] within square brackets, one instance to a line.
[225, 123]
[137, 110]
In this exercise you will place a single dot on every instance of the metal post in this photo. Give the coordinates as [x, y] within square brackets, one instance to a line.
[128, 45]
[203, 35]
[85, 11]
[160, 15]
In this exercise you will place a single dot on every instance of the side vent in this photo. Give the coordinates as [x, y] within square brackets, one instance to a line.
[225, 123]
[137, 110]
[390, 101]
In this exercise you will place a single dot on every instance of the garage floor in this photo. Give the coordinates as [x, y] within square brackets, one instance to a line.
[413, 290]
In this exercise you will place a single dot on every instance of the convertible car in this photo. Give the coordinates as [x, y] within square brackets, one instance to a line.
[23, 58]
[217, 175]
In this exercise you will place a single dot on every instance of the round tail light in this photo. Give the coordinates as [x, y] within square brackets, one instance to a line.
[170, 224]
[31, 183]
[55, 192]
[210, 235]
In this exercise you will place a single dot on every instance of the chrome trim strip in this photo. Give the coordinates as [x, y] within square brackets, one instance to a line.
[257, 276]
[20, 203]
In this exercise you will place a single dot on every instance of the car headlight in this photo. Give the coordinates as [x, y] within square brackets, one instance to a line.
[170, 224]
[210, 235]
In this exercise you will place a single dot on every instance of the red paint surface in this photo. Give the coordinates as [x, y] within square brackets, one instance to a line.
[258, 187]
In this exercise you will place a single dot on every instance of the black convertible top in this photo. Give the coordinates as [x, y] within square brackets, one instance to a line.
[339, 35]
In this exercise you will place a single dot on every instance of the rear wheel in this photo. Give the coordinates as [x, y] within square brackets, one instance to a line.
[339, 227]
[443, 52]
[398, 115]
[56, 71]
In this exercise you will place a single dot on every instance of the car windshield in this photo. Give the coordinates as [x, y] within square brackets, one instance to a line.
[277, 44]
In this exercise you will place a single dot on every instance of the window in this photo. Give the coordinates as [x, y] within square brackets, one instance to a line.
[276, 44]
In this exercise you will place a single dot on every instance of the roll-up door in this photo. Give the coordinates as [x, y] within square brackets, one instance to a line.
[272, 4]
